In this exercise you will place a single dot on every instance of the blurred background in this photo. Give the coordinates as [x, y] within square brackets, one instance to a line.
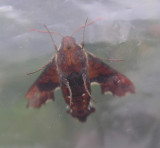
[131, 32]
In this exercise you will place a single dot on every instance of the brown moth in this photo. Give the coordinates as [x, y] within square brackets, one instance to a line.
[73, 69]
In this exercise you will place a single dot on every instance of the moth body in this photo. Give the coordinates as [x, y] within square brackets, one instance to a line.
[73, 70]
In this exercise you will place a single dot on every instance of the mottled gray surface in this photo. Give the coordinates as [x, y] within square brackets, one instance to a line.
[131, 31]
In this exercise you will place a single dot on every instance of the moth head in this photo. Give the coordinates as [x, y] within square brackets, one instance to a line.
[68, 43]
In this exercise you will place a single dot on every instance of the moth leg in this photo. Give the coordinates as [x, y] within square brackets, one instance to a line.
[42, 66]
[70, 92]
[84, 80]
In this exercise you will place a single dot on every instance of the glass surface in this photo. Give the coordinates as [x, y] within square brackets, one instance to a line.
[131, 31]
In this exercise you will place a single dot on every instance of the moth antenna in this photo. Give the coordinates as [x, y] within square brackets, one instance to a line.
[55, 46]
[84, 80]
[83, 33]
[112, 60]
[76, 30]
[41, 67]
[70, 92]
[41, 31]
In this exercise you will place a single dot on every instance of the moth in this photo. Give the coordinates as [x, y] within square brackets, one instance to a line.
[74, 69]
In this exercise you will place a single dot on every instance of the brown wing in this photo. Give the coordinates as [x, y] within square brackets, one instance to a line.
[43, 87]
[108, 78]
